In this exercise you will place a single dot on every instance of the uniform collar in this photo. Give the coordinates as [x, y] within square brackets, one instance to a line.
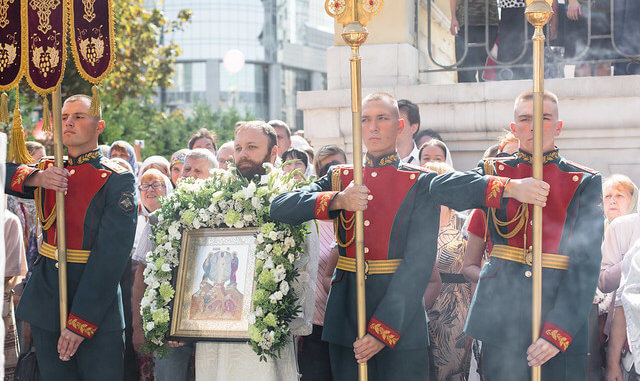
[548, 157]
[90, 156]
[384, 160]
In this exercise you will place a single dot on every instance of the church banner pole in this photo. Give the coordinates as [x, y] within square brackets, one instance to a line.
[538, 13]
[354, 15]
[60, 215]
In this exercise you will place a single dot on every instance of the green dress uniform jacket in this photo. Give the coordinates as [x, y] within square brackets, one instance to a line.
[500, 312]
[101, 216]
[400, 224]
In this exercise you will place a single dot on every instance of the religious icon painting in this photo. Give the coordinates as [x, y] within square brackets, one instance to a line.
[214, 285]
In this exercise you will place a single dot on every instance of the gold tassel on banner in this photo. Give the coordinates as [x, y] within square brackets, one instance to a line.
[17, 150]
[94, 109]
[4, 108]
[46, 116]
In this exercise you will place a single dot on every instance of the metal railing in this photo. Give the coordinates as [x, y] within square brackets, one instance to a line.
[555, 56]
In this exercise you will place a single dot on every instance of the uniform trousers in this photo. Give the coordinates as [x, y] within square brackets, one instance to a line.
[98, 358]
[388, 364]
[500, 363]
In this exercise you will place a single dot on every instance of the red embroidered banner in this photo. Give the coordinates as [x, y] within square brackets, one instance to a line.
[46, 35]
[13, 53]
[92, 39]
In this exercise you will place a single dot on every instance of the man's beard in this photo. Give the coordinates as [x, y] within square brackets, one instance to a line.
[252, 168]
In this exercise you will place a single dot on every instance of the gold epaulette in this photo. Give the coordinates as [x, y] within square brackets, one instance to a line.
[115, 167]
[584, 168]
[416, 167]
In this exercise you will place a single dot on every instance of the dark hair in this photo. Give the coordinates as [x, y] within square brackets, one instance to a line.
[428, 132]
[412, 111]
[434, 143]
[278, 123]
[270, 133]
[293, 154]
[325, 168]
[203, 133]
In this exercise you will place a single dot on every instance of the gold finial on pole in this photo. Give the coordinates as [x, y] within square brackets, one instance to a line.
[538, 14]
[354, 16]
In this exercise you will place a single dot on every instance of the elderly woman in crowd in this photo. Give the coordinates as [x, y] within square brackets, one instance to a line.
[125, 151]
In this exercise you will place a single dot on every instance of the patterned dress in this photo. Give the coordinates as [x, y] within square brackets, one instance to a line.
[448, 342]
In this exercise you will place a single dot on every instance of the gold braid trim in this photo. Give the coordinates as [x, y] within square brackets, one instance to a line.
[521, 217]
[37, 195]
[336, 186]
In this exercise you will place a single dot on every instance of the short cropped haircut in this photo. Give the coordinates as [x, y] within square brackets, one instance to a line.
[412, 111]
[203, 133]
[83, 98]
[384, 97]
[427, 132]
[278, 123]
[528, 96]
[326, 151]
[267, 130]
[203, 154]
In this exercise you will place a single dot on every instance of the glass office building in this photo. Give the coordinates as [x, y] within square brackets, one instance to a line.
[283, 43]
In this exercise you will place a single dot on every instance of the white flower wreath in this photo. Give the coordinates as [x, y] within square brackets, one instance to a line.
[228, 201]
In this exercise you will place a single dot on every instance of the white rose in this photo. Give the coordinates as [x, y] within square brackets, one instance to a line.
[284, 288]
[150, 325]
[291, 258]
[239, 224]
[279, 273]
[258, 312]
[273, 235]
[145, 302]
[259, 238]
[196, 224]
[248, 217]
[166, 267]
[268, 264]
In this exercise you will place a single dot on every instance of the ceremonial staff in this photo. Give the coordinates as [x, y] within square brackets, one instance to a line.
[354, 15]
[538, 13]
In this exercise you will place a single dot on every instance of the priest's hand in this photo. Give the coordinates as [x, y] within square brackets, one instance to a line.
[529, 191]
[353, 198]
[68, 344]
[540, 352]
[53, 178]
[366, 348]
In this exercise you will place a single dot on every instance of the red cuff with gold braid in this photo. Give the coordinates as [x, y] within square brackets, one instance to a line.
[556, 336]
[494, 190]
[383, 332]
[80, 326]
[321, 209]
[22, 174]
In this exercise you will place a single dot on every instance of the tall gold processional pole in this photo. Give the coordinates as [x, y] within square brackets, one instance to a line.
[61, 234]
[354, 15]
[538, 13]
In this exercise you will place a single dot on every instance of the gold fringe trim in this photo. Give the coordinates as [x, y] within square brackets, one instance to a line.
[94, 109]
[4, 108]
[17, 150]
[46, 116]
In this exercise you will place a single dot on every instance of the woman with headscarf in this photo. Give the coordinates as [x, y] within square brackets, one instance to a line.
[176, 163]
[157, 162]
[125, 151]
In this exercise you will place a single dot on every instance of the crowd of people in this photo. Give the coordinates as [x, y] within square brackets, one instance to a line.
[580, 33]
[459, 300]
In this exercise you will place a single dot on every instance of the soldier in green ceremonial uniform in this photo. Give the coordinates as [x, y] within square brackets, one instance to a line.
[500, 312]
[401, 205]
[101, 210]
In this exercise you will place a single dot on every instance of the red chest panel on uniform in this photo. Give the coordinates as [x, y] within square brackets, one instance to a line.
[84, 181]
[563, 187]
[388, 188]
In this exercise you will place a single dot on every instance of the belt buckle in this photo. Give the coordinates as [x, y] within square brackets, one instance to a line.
[528, 256]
